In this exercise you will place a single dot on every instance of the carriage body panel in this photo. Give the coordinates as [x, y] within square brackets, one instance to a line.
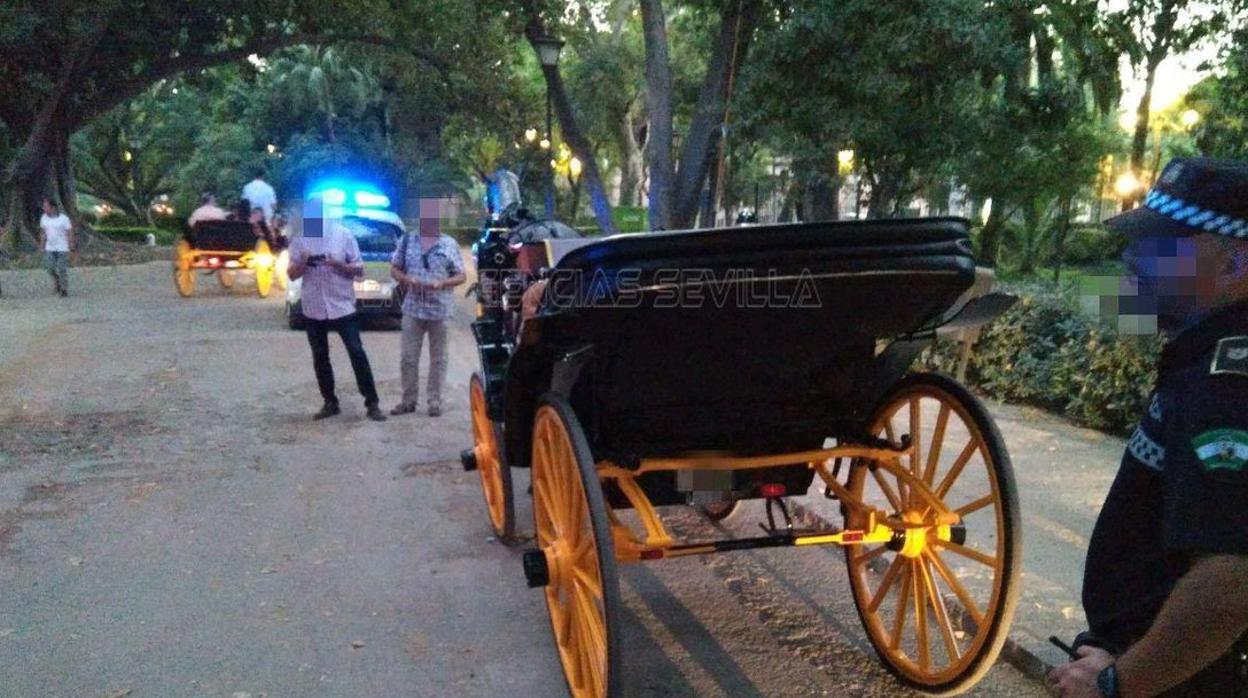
[746, 340]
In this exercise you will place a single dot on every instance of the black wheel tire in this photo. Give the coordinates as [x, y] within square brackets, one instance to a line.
[1010, 591]
[600, 524]
[294, 316]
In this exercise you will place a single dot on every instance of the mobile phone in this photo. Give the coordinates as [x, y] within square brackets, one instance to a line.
[1070, 651]
[315, 260]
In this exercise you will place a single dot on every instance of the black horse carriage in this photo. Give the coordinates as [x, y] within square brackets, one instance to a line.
[748, 363]
[223, 248]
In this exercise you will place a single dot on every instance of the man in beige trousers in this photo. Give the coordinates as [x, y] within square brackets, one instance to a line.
[427, 265]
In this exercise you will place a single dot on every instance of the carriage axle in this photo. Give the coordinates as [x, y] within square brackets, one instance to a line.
[538, 564]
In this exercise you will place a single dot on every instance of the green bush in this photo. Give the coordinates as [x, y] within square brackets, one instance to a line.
[137, 234]
[1044, 351]
[1015, 357]
[1106, 378]
[1092, 244]
[173, 224]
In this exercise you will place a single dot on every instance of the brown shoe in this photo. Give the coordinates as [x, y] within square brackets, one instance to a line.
[403, 408]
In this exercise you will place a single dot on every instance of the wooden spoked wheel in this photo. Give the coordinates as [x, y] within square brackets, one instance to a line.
[937, 604]
[225, 277]
[183, 274]
[487, 445]
[574, 532]
[264, 264]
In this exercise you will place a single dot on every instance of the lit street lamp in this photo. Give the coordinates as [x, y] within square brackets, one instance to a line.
[548, 49]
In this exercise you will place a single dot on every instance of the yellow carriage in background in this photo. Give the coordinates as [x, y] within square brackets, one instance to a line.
[223, 249]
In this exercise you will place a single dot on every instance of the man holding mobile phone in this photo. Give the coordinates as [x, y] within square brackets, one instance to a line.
[328, 260]
[427, 265]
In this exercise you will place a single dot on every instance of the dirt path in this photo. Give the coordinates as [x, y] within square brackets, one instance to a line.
[172, 523]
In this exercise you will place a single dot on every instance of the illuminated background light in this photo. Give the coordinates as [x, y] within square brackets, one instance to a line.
[368, 199]
[334, 197]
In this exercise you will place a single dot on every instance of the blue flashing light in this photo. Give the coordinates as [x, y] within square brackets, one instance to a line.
[368, 199]
[334, 197]
[350, 194]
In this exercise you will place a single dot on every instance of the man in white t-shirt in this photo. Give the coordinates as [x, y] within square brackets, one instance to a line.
[260, 195]
[56, 239]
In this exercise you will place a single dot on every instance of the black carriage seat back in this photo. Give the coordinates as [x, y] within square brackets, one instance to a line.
[540, 230]
[758, 339]
[223, 236]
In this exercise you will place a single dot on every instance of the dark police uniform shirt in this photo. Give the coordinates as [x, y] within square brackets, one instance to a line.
[1182, 488]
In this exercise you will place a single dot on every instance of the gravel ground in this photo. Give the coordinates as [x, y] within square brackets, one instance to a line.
[173, 524]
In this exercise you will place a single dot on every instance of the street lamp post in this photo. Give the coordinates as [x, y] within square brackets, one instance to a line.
[548, 49]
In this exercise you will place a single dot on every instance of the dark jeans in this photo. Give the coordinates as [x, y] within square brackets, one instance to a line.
[349, 329]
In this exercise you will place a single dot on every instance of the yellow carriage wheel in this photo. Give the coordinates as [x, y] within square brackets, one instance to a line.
[225, 277]
[183, 274]
[263, 262]
[937, 603]
[487, 443]
[283, 263]
[574, 533]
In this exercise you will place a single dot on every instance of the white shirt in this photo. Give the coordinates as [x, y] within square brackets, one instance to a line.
[260, 195]
[55, 232]
[207, 212]
[325, 293]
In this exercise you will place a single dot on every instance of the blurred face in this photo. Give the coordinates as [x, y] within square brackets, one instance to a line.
[430, 217]
[49, 207]
[1177, 279]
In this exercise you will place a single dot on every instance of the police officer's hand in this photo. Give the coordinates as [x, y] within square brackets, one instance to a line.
[1078, 679]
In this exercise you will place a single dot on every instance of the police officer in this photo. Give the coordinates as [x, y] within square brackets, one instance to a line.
[1166, 581]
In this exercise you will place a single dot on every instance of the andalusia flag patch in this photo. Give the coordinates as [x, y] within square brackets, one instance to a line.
[1222, 449]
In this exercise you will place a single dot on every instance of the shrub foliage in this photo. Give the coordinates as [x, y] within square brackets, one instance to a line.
[1045, 351]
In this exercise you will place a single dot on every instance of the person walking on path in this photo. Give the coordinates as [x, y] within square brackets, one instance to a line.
[259, 195]
[327, 258]
[1166, 575]
[427, 266]
[56, 239]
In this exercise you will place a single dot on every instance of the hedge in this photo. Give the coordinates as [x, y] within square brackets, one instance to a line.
[137, 234]
[1045, 351]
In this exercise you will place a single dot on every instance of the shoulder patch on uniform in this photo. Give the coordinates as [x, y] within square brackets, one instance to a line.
[1222, 449]
[1231, 356]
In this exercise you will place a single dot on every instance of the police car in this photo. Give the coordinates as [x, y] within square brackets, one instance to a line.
[366, 214]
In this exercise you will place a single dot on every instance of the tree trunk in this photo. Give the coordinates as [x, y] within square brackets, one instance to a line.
[708, 215]
[1139, 141]
[789, 205]
[885, 194]
[736, 29]
[633, 160]
[1059, 238]
[579, 144]
[659, 100]
[990, 236]
[823, 203]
